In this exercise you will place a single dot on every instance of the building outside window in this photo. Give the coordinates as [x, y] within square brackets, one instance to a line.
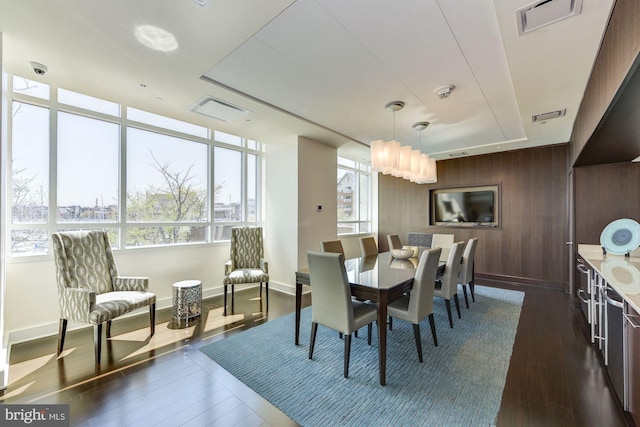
[160, 182]
[354, 195]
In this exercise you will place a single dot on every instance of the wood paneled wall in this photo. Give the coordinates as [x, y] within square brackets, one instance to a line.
[620, 48]
[604, 193]
[529, 247]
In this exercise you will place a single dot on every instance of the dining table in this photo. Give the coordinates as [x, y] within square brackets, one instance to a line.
[380, 279]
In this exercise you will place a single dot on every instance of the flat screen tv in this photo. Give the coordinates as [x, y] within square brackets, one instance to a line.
[469, 206]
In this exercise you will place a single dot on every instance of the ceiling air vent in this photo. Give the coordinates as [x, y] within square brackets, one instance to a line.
[218, 109]
[545, 12]
[543, 117]
[458, 154]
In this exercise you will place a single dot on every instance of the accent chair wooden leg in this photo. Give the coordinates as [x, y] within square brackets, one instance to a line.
[455, 299]
[369, 328]
[356, 333]
[108, 329]
[266, 291]
[416, 334]
[224, 311]
[233, 295]
[432, 323]
[152, 318]
[448, 304]
[260, 290]
[62, 330]
[314, 329]
[97, 338]
[464, 292]
[347, 354]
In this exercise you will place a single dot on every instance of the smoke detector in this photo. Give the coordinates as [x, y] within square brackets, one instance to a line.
[444, 91]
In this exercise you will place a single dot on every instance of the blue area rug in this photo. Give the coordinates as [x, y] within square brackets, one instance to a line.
[460, 382]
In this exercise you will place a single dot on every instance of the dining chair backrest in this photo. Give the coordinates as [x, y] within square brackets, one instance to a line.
[442, 240]
[334, 246]
[331, 295]
[421, 297]
[466, 269]
[394, 241]
[368, 246]
[451, 270]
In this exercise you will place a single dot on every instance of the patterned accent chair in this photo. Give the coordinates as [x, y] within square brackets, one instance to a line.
[246, 263]
[89, 287]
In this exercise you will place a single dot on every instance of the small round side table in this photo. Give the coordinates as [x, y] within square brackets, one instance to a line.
[187, 300]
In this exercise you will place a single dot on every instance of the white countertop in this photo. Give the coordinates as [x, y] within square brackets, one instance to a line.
[621, 273]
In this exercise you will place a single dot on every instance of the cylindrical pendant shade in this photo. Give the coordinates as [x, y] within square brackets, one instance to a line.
[392, 153]
[377, 155]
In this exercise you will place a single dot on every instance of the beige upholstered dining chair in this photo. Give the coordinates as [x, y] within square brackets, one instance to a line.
[334, 246]
[444, 241]
[419, 303]
[447, 287]
[465, 277]
[368, 246]
[89, 287]
[394, 241]
[332, 305]
[246, 264]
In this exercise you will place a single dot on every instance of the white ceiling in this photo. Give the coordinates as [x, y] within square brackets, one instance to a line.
[323, 69]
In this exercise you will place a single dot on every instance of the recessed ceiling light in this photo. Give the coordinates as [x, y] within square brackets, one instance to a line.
[156, 38]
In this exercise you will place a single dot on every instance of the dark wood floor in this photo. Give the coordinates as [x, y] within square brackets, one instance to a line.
[554, 377]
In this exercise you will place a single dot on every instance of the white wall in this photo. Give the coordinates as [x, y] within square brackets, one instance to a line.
[317, 172]
[281, 199]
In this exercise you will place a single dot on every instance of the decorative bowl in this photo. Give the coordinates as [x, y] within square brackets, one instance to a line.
[401, 253]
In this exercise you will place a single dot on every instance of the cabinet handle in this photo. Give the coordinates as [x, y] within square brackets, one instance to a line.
[583, 268]
[583, 299]
[609, 299]
[630, 318]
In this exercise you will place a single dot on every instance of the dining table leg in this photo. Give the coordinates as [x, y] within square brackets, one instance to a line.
[298, 304]
[382, 336]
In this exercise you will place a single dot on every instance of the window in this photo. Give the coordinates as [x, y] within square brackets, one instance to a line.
[161, 181]
[353, 192]
[29, 178]
[166, 183]
[87, 171]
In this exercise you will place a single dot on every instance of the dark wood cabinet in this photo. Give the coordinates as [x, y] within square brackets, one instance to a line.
[633, 363]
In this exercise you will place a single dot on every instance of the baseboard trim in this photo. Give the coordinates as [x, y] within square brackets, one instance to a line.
[487, 278]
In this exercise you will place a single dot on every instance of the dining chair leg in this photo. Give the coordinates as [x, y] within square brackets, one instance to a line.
[390, 323]
[448, 304]
[314, 329]
[62, 330]
[369, 328]
[416, 334]
[347, 354]
[355, 333]
[432, 323]
[455, 299]
[464, 292]
[472, 288]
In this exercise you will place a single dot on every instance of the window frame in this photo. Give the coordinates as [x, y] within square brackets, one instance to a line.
[121, 226]
[359, 170]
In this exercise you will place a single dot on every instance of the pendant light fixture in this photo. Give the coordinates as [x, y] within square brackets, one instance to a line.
[391, 158]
